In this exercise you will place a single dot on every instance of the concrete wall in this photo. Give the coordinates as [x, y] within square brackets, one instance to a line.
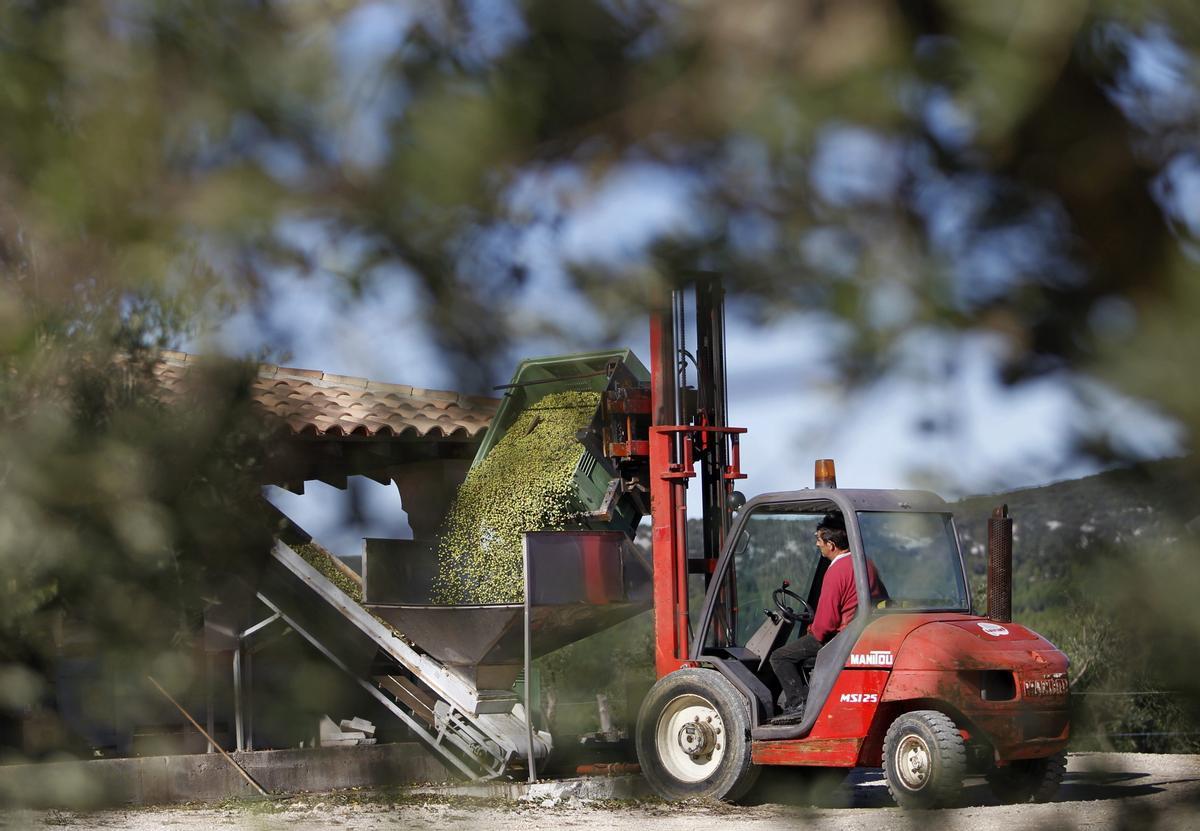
[208, 777]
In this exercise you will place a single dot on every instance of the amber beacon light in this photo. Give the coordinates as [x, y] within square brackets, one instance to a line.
[825, 476]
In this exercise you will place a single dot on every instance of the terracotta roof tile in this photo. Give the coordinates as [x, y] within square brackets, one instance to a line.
[390, 389]
[310, 402]
[301, 373]
[345, 380]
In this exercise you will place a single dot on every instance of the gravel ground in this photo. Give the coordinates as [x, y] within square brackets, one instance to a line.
[1100, 791]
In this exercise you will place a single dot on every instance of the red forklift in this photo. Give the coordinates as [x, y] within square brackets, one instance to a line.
[918, 684]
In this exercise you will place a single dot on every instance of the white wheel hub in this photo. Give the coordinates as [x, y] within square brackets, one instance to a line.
[690, 738]
[913, 762]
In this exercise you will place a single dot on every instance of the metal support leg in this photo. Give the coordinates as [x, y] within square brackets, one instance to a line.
[249, 690]
[237, 698]
[208, 698]
[243, 685]
[528, 668]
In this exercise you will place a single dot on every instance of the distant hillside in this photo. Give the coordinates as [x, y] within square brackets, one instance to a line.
[1060, 526]
[1082, 577]
[1056, 527]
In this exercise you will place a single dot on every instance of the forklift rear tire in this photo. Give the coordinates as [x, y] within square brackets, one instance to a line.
[1028, 780]
[924, 760]
[693, 737]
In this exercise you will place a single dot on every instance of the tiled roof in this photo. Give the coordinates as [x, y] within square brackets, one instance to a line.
[320, 404]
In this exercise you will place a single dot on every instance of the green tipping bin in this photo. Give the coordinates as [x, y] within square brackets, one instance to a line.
[608, 504]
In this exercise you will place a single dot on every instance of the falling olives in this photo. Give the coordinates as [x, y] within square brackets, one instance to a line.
[525, 483]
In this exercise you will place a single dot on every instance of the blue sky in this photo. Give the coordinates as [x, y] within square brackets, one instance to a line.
[781, 387]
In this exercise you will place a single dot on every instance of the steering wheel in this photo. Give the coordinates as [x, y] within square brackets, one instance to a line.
[790, 614]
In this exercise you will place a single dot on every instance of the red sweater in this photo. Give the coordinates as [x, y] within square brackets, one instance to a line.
[839, 598]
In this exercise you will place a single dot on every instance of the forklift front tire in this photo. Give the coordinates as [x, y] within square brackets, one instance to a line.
[693, 737]
[924, 760]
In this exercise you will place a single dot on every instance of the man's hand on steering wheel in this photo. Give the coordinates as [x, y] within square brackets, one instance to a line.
[781, 595]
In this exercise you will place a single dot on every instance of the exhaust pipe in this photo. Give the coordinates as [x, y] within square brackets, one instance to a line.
[999, 578]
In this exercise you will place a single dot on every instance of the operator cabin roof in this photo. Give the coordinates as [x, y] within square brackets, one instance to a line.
[334, 426]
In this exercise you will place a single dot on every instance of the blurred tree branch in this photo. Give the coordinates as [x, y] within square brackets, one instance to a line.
[896, 166]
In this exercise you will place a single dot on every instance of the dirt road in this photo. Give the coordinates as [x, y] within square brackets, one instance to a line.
[1100, 791]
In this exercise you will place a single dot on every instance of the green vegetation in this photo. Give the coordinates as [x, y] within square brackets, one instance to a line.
[526, 483]
[164, 164]
[1101, 567]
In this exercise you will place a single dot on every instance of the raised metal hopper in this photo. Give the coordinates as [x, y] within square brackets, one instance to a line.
[579, 583]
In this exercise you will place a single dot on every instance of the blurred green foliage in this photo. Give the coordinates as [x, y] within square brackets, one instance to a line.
[168, 142]
[1103, 567]
[1015, 175]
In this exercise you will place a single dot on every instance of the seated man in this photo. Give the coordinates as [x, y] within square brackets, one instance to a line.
[835, 609]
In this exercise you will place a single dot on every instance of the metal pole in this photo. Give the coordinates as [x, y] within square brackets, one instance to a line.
[679, 317]
[664, 364]
[244, 682]
[249, 658]
[208, 698]
[237, 697]
[208, 736]
[528, 667]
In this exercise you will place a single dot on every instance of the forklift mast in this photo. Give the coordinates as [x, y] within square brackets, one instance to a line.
[689, 427]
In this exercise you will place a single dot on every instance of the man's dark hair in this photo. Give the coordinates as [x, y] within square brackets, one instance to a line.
[832, 528]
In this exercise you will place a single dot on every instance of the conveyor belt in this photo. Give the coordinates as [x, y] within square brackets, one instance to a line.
[479, 733]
